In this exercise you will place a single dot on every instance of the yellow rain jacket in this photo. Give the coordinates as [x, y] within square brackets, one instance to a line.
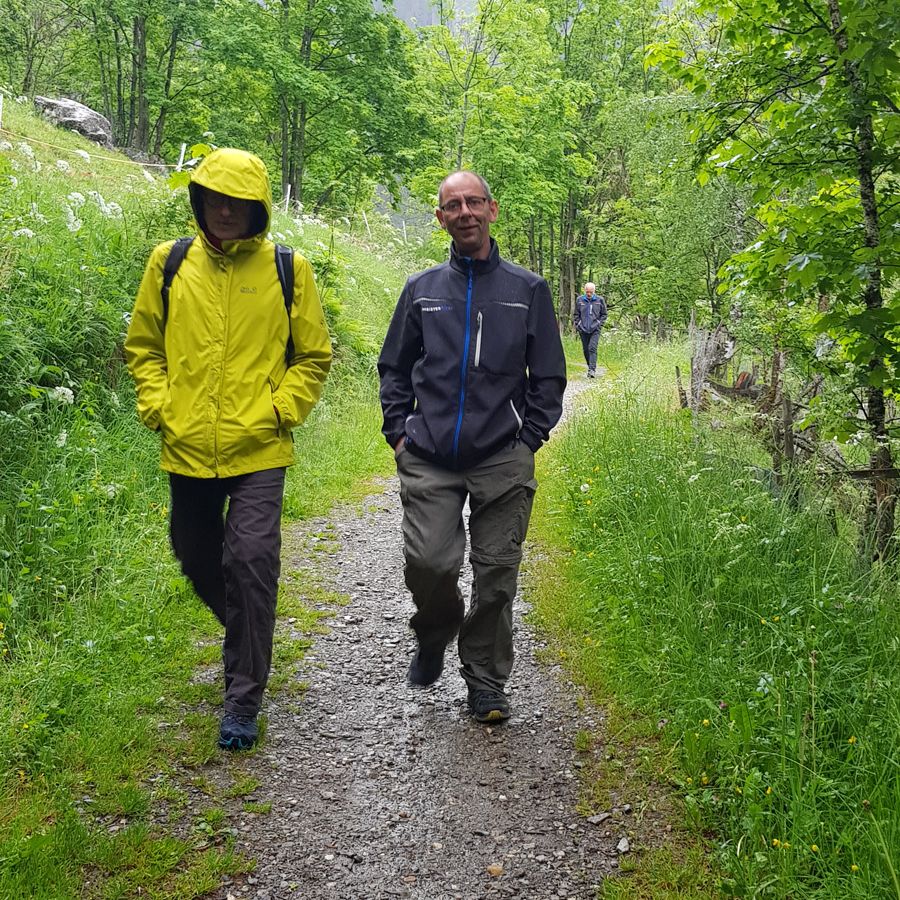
[212, 376]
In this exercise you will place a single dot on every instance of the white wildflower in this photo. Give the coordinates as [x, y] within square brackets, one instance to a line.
[36, 214]
[97, 197]
[279, 236]
[62, 395]
[5, 146]
[113, 210]
[89, 644]
[585, 488]
[766, 681]
[21, 99]
[25, 149]
[23, 232]
[13, 181]
[36, 165]
[73, 223]
[149, 638]
[61, 438]
[148, 176]
[83, 154]
[62, 165]
[693, 477]
[76, 199]
[114, 399]
[111, 489]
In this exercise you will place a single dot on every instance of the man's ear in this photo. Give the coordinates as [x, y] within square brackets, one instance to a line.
[439, 215]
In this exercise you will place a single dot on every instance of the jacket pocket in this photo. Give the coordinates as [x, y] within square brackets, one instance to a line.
[501, 334]
[519, 421]
[479, 324]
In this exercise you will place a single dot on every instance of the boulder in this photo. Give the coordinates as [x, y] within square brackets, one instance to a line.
[77, 117]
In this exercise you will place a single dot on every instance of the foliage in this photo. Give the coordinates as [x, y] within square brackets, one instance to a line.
[800, 101]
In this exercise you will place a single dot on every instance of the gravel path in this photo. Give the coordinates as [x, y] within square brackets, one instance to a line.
[379, 790]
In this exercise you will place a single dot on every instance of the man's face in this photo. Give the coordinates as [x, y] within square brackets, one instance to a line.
[227, 218]
[589, 292]
[470, 228]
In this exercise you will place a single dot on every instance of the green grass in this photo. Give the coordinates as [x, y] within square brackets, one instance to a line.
[740, 624]
[100, 636]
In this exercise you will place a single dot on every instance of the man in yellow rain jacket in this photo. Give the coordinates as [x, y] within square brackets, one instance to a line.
[213, 379]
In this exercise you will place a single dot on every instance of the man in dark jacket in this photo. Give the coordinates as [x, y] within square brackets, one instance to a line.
[590, 316]
[472, 379]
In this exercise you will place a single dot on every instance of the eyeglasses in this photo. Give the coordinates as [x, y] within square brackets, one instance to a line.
[475, 204]
[215, 200]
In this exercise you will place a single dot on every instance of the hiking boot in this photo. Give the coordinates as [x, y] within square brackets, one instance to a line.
[488, 706]
[238, 732]
[426, 665]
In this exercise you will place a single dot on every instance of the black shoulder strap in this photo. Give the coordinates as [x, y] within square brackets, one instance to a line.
[284, 264]
[173, 261]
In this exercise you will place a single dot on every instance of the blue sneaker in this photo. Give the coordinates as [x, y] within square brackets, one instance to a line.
[238, 732]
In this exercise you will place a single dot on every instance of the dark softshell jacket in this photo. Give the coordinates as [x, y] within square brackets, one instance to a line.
[472, 360]
[590, 315]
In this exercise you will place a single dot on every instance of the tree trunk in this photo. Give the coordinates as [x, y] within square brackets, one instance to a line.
[121, 128]
[883, 500]
[159, 128]
[140, 102]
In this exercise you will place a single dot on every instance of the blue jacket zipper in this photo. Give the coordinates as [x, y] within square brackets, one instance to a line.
[462, 367]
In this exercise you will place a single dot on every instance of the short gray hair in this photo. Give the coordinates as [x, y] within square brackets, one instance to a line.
[484, 185]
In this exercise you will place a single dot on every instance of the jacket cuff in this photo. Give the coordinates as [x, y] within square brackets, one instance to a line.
[530, 440]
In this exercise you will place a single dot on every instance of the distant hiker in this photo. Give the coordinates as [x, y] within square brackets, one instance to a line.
[209, 356]
[589, 319]
[472, 379]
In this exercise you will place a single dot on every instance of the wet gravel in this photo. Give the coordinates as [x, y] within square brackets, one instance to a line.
[379, 790]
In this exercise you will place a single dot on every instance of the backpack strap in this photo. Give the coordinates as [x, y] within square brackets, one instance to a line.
[173, 261]
[284, 265]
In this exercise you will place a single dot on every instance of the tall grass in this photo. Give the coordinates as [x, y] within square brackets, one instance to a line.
[744, 627]
[99, 634]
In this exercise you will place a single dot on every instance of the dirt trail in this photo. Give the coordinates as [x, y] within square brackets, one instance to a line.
[379, 790]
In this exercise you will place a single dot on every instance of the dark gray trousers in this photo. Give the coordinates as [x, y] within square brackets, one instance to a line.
[500, 491]
[589, 346]
[233, 560]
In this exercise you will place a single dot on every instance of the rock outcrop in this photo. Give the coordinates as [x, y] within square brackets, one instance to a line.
[77, 117]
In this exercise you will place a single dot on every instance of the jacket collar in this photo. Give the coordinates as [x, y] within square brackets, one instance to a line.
[478, 266]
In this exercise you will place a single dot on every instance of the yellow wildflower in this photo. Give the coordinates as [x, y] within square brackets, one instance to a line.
[854, 868]
[851, 739]
[706, 723]
[814, 848]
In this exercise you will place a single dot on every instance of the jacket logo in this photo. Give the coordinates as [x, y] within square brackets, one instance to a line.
[248, 290]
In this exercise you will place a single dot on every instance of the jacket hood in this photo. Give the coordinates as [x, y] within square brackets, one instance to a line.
[236, 173]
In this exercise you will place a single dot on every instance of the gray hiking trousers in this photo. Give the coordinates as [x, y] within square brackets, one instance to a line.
[233, 560]
[500, 491]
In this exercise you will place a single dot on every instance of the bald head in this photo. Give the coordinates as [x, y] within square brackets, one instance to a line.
[484, 185]
[589, 289]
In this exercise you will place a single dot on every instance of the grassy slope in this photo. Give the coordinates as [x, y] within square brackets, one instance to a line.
[99, 635]
[746, 654]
